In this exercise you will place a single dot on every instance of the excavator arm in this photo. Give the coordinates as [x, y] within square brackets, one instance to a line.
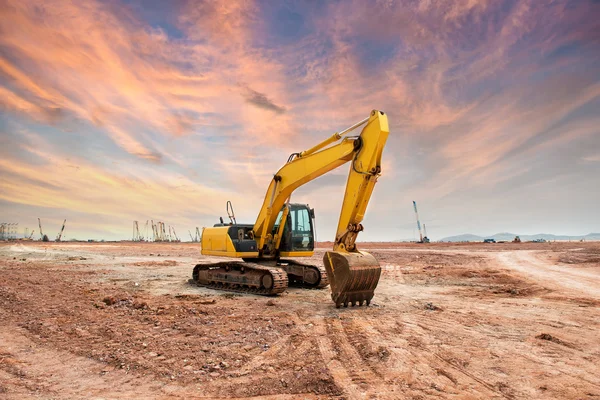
[364, 152]
[353, 274]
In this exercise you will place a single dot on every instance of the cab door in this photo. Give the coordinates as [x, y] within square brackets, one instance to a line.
[298, 233]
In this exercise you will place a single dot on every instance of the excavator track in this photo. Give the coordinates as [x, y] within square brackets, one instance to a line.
[304, 275]
[241, 277]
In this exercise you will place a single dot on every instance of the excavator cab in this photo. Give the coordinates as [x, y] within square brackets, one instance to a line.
[236, 240]
[298, 232]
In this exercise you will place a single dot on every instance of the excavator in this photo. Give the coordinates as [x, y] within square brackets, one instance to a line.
[284, 230]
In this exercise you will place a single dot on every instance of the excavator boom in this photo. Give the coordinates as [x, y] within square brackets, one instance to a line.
[353, 274]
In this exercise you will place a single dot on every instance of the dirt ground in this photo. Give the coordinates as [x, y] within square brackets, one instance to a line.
[459, 321]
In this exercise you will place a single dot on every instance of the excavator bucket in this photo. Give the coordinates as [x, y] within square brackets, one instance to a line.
[353, 277]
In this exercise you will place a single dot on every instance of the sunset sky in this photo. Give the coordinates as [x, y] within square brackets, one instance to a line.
[114, 111]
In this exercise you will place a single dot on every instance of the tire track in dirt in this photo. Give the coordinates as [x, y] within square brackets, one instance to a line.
[338, 371]
[481, 381]
[417, 344]
[358, 368]
[351, 372]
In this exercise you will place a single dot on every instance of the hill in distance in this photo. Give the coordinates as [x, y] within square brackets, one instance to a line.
[506, 236]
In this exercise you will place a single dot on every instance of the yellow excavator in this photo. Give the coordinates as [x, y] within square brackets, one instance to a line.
[285, 230]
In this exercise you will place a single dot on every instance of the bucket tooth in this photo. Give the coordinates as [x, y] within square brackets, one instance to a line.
[353, 277]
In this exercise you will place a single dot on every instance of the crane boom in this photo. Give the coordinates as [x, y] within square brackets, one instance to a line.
[418, 222]
[59, 236]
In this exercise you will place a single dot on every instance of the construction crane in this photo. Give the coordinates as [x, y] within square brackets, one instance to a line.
[198, 235]
[154, 232]
[59, 236]
[136, 237]
[418, 222]
[146, 231]
[421, 238]
[43, 238]
[283, 229]
[175, 235]
[425, 238]
[31, 235]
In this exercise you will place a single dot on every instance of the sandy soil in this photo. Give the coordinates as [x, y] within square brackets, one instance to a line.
[465, 321]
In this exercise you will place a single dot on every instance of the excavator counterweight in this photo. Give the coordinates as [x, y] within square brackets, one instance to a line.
[284, 230]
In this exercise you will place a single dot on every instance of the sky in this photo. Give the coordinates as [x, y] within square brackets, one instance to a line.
[115, 111]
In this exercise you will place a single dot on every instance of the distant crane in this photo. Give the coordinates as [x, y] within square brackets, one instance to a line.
[421, 238]
[418, 222]
[157, 231]
[43, 238]
[160, 234]
[175, 234]
[163, 232]
[196, 238]
[61, 231]
[153, 231]
[137, 236]
[31, 236]
[425, 238]
[146, 231]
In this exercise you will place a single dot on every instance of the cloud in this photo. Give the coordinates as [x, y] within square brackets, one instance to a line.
[103, 192]
[592, 159]
[260, 100]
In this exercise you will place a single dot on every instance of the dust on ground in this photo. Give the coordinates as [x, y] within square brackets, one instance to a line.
[119, 320]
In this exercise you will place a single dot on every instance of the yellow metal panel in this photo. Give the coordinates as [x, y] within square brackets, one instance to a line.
[216, 239]
[364, 171]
